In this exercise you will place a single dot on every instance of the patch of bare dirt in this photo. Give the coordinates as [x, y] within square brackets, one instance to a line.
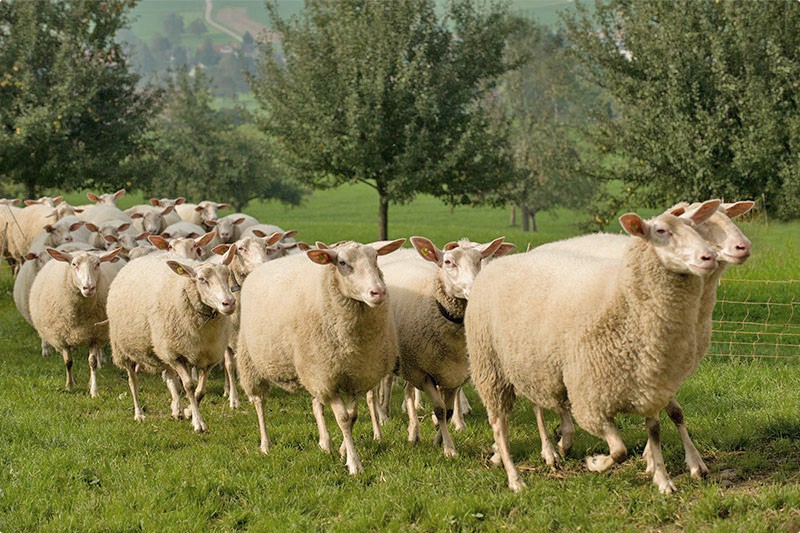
[236, 19]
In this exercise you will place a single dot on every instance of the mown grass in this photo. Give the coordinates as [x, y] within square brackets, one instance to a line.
[69, 462]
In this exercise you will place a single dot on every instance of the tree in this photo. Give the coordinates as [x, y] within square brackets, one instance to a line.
[540, 106]
[173, 24]
[387, 93]
[206, 54]
[706, 96]
[199, 152]
[197, 27]
[69, 108]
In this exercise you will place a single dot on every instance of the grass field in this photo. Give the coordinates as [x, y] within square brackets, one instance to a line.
[69, 462]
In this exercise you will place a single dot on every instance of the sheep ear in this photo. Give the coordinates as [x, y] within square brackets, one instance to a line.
[168, 210]
[89, 226]
[119, 194]
[220, 249]
[738, 209]
[677, 210]
[275, 237]
[30, 256]
[492, 247]
[193, 235]
[258, 233]
[427, 250]
[136, 215]
[389, 247]
[181, 270]
[57, 199]
[111, 255]
[93, 197]
[289, 234]
[179, 200]
[110, 238]
[211, 222]
[207, 238]
[704, 211]
[154, 202]
[59, 256]
[449, 246]
[505, 249]
[238, 220]
[223, 206]
[228, 257]
[77, 225]
[48, 228]
[321, 245]
[158, 241]
[634, 224]
[322, 257]
[124, 227]
[303, 246]
[31, 202]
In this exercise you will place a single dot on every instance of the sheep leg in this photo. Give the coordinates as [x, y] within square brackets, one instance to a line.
[47, 350]
[418, 400]
[440, 411]
[259, 402]
[133, 383]
[345, 421]
[374, 409]
[66, 353]
[567, 431]
[601, 463]
[352, 412]
[230, 379]
[385, 398]
[322, 427]
[413, 421]
[548, 451]
[458, 413]
[188, 385]
[466, 408]
[660, 476]
[176, 406]
[200, 389]
[94, 362]
[697, 468]
[499, 423]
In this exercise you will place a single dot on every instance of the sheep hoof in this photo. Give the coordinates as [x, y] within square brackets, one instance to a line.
[459, 425]
[139, 417]
[450, 452]
[563, 451]
[496, 460]
[187, 413]
[234, 403]
[413, 436]
[264, 447]
[325, 445]
[664, 483]
[599, 463]
[199, 426]
[342, 451]
[549, 458]
[516, 485]
[355, 468]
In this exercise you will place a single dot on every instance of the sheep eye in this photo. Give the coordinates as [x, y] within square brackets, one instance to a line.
[342, 263]
[448, 262]
[661, 231]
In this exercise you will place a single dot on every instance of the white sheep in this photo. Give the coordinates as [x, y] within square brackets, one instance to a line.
[183, 229]
[334, 337]
[428, 299]
[187, 247]
[67, 300]
[106, 199]
[170, 314]
[593, 335]
[68, 229]
[202, 214]
[21, 226]
[229, 228]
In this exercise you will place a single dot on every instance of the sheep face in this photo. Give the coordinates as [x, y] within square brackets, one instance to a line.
[185, 247]
[252, 251]
[106, 199]
[731, 244]
[679, 248]
[61, 232]
[208, 211]
[211, 282]
[356, 268]
[459, 262]
[226, 228]
[166, 202]
[84, 267]
[152, 220]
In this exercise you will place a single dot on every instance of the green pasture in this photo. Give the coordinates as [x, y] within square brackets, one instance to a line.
[69, 462]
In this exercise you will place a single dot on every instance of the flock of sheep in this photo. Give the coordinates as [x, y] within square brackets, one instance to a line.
[587, 327]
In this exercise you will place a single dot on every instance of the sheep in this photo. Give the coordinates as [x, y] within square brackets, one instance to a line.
[170, 314]
[428, 299]
[183, 229]
[733, 248]
[67, 300]
[106, 199]
[150, 219]
[250, 252]
[229, 228]
[286, 246]
[47, 201]
[335, 338]
[201, 214]
[615, 337]
[68, 229]
[188, 247]
[21, 226]
[112, 228]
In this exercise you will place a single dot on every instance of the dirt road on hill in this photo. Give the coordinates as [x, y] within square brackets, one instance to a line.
[220, 27]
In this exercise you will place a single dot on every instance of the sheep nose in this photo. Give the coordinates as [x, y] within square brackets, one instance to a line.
[88, 289]
[377, 293]
[68, 238]
[743, 247]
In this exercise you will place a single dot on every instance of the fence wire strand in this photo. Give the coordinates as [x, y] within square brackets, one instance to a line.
[756, 319]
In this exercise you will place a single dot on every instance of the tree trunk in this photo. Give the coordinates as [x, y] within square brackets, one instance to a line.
[524, 217]
[383, 216]
[532, 214]
[512, 219]
[30, 189]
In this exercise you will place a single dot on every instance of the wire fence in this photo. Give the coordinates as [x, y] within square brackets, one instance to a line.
[757, 319]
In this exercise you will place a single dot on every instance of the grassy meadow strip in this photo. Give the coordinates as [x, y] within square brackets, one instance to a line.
[70, 462]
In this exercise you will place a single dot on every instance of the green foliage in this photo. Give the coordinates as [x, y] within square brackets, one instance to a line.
[173, 24]
[69, 108]
[541, 104]
[706, 96]
[389, 94]
[198, 152]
